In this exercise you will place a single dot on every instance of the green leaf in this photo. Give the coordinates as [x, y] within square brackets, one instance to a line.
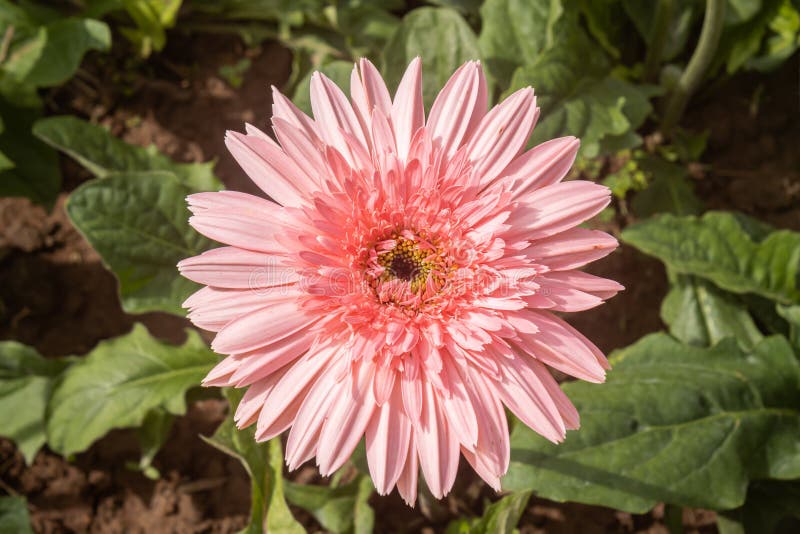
[502, 516]
[119, 382]
[35, 173]
[669, 191]
[730, 250]
[772, 507]
[782, 42]
[264, 464]
[138, 222]
[26, 382]
[14, 518]
[340, 509]
[792, 315]
[437, 34]
[103, 154]
[684, 15]
[607, 23]
[152, 434]
[743, 32]
[515, 32]
[45, 52]
[673, 423]
[337, 71]
[699, 313]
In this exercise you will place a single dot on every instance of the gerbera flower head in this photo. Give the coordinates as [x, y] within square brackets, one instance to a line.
[401, 283]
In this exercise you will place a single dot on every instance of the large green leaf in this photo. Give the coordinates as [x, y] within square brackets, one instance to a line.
[14, 518]
[744, 30]
[772, 507]
[46, 53]
[339, 510]
[440, 36]
[264, 464]
[674, 423]
[515, 32]
[26, 382]
[34, 173]
[119, 382]
[103, 154]
[792, 316]
[682, 21]
[138, 222]
[730, 250]
[699, 313]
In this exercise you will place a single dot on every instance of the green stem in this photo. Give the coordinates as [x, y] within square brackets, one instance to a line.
[698, 64]
[673, 518]
[655, 50]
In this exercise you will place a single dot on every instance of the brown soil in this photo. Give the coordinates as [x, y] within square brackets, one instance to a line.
[62, 300]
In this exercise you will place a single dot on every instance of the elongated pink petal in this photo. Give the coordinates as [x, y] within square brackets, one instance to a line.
[334, 114]
[545, 164]
[556, 208]
[236, 268]
[283, 108]
[213, 308]
[261, 327]
[502, 134]
[408, 112]
[437, 445]
[572, 248]
[459, 108]
[407, 483]
[259, 364]
[388, 438]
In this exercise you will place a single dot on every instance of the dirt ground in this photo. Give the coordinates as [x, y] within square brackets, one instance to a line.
[57, 296]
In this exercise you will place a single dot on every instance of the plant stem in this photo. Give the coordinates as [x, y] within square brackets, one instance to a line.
[655, 49]
[673, 518]
[698, 64]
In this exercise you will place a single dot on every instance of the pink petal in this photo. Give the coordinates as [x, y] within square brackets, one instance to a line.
[271, 170]
[408, 112]
[257, 365]
[437, 445]
[502, 134]
[388, 439]
[556, 208]
[545, 164]
[262, 327]
[334, 114]
[235, 268]
[601, 287]
[213, 308]
[283, 108]
[348, 418]
[407, 483]
[571, 249]
[459, 107]
[301, 149]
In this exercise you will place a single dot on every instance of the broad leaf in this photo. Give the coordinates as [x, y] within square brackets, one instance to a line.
[152, 434]
[684, 15]
[502, 516]
[264, 464]
[46, 53]
[675, 424]
[103, 154]
[782, 42]
[515, 32]
[441, 37]
[34, 173]
[792, 316]
[119, 382]
[14, 517]
[730, 250]
[138, 222]
[339, 510]
[743, 32]
[701, 314]
[772, 507]
[26, 382]
[669, 191]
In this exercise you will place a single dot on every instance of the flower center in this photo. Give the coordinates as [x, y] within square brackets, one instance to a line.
[407, 268]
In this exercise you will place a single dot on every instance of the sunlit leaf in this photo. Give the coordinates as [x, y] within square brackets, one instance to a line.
[515, 32]
[119, 382]
[699, 313]
[103, 154]
[673, 423]
[26, 383]
[138, 222]
[736, 253]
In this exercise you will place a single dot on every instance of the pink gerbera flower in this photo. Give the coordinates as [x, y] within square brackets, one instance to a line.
[401, 284]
